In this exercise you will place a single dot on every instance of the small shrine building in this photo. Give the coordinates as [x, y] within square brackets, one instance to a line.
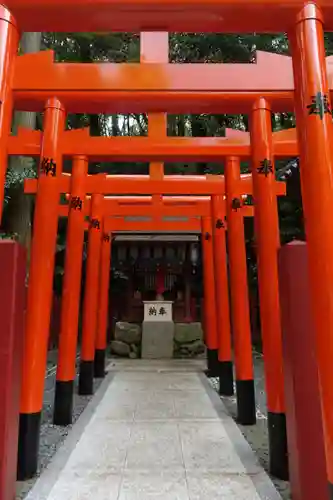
[156, 266]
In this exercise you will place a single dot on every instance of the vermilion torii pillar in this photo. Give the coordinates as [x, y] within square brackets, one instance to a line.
[315, 135]
[9, 42]
[66, 369]
[268, 242]
[90, 302]
[225, 368]
[241, 328]
[40, 290]
[209, 312]
[103, 305]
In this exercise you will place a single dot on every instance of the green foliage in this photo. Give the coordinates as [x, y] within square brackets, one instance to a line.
[8, 236]
[15, 179]
[88, 47]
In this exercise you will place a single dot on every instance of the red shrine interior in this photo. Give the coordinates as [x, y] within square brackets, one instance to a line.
[148, 267]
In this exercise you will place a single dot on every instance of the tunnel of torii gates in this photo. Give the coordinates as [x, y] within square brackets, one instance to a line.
[36, 83]
[107, 215]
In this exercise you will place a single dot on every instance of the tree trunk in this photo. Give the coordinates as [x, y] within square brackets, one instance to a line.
[19, 210]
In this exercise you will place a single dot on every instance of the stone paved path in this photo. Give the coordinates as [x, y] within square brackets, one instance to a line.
[155, 431]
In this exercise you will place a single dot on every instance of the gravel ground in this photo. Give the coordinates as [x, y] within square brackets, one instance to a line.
[52, 436]
[257, 435]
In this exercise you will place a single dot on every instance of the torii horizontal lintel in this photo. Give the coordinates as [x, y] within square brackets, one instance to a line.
[132, 16]
[37, 72]
[143, 185]
[113, 208]
[160, 225]
[27, 142]
[127, 87]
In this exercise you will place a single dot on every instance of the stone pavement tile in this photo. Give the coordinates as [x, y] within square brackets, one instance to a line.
[76, 487]
[158, 381]
[154, 486]
[103, 447]
[118, 405]
[181, 382]
[158, 365]
[132, 387]
[206, 447]
[155, 405]
[193, 405]
[136, 376]
[154, 446]
[211, 486]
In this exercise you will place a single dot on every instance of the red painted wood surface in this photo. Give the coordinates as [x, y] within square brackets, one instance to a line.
[213, 16]
[304, 423]
[12, 310]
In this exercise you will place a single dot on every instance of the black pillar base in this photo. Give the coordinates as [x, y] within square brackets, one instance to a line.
[86, 378]
[212, 363]
[99, 363]
[226, 378]
[63, 402]
[278, 447]
[28, 445]
[330, 491]
[246, 402]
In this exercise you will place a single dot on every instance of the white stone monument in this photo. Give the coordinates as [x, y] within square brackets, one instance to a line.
[157, 330]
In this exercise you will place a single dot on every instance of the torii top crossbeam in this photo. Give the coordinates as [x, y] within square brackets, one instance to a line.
[161, 15]
[155, 87]
[137, 87]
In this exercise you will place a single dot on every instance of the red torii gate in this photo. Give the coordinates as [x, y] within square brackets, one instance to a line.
[143, 206]
[166, 206]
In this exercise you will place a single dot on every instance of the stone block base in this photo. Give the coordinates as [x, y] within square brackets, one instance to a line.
[188, 340]
[157, 339]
